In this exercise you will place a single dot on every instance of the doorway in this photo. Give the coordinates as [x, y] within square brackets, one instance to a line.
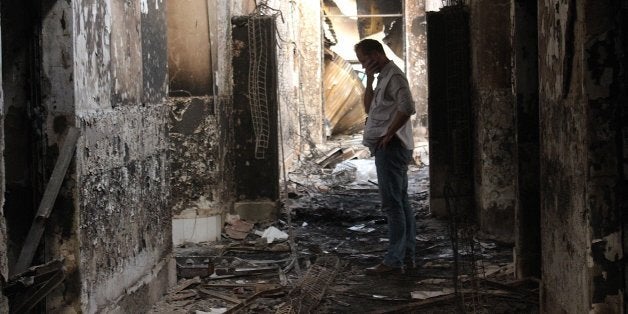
[23, 127]
[345, 23]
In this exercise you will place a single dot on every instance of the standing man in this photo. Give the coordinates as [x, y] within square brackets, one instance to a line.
[388, 134]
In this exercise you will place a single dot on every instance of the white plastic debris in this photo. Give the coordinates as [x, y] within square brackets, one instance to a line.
[271, 233]
[361, 228]
[365, 169]
[422, 295]
[422, 238]
[343, 173]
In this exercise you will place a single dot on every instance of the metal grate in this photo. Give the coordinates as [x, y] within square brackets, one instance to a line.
[306, 296]
[258, 92]
[467, 268]
[458, 187]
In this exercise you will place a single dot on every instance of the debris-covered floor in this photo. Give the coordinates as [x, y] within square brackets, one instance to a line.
[338, 231]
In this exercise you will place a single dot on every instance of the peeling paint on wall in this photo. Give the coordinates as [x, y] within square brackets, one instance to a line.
[580, 173]
[144, 6]
[100, 149]
[126, 53]
[92, 51]
[194, 134]
[416, 61]
[124, 217]
[602, 56]
[122, 170]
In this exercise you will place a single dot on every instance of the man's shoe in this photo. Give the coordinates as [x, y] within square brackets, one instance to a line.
[381, 268]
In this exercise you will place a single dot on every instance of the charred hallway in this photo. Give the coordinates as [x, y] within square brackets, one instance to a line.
[190, 110]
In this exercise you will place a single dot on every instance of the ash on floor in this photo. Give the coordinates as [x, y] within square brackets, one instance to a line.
[336, 217]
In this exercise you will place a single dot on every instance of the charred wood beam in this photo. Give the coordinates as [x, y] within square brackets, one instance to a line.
[45, 207]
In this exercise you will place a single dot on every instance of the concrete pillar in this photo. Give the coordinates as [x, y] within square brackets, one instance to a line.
[493, 105]
[256, 153]
[309, 60]
[525, 87]
[4, 269]
[623, 190]
[582, 96]
[451, 174]
[300, 77]
[416, 60]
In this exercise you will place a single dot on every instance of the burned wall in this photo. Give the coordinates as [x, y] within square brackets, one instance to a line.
[23, 122]
[194, 134]
[525, 87]
[198, 127]
[4, 268]
[57, 97]
[493, 103]
[305, 30]
[299, 68]
[255, 111]
[124, 219]
[207, 142]
[416, 60]
[450, 113]
[201, 128]
[57, 78]
[189, 55]
[581, 97]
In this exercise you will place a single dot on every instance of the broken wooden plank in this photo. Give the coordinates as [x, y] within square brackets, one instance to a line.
[184, 284]
[243, 271]
[36, 271]
[414, 305]
[219, 295]
[35, 294]
[48, 200]
[34, 276]
[250, 300]
[509, 287]
[182, 295]
[330, 157]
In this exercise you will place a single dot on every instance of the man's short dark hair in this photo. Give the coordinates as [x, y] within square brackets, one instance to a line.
[368, 46]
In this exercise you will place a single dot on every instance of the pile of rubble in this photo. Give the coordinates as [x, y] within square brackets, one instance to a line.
[315, 263]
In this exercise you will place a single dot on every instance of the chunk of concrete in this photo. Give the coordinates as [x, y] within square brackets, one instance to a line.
[258, 211]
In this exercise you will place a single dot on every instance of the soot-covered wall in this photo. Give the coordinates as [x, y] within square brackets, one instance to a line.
[123, 218]
[494, 118]
[581, 98]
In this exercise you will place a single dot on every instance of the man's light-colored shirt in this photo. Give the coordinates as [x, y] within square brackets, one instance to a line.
[391, 94]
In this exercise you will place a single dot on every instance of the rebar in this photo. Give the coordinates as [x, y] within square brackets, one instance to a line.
[259, 42]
